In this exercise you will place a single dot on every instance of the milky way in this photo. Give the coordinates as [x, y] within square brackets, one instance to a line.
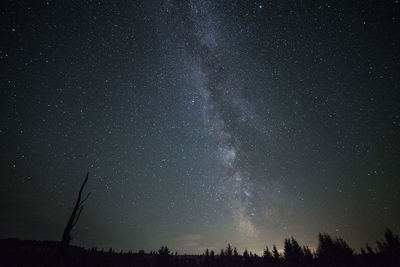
[201, 122]
[223, 111]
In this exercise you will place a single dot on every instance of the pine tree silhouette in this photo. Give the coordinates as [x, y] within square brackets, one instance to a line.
[267, 257]
[293, 253]
[333, 250]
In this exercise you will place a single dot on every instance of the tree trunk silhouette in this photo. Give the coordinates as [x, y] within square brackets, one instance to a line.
[76, 213]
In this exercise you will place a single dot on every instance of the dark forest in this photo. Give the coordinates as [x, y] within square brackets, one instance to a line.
[330, 252]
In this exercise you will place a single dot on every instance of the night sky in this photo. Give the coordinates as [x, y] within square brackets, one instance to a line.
[200, 122]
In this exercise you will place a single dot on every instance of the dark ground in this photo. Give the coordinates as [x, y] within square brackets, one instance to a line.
[330, 252]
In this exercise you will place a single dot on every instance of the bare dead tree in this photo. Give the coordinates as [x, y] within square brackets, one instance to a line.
[76, 213]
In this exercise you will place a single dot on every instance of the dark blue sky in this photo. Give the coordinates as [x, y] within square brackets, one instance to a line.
[201, 123]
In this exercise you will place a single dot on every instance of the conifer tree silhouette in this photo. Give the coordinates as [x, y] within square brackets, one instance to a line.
[207, 253]
[307, 255]
[267, 256]
[222, 252]
[229, 251]
[333, 250]
[292, 251]
[275, 253]
[390, 244]
[389, 248]
[235, 252]
[246, 254]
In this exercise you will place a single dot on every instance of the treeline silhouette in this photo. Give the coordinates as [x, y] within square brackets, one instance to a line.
[330, 252]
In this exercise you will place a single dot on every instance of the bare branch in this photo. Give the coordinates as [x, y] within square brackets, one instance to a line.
[77, 216]
[84, 183]
[87, 196]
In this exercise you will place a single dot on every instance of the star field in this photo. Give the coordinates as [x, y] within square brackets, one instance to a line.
[201, 122]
